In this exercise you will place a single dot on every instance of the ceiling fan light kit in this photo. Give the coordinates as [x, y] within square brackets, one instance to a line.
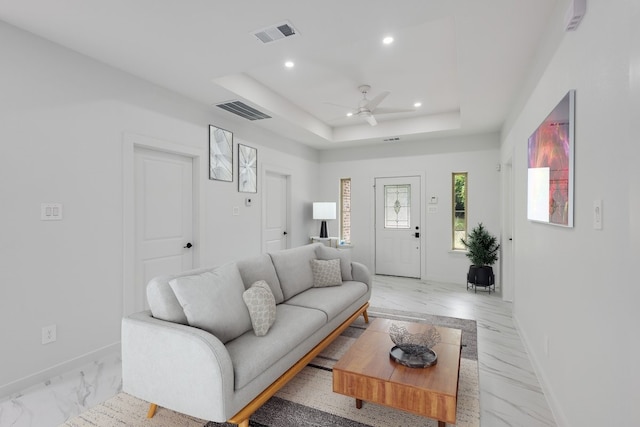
[367, 107]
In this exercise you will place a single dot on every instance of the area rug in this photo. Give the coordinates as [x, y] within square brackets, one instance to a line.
[308, 399]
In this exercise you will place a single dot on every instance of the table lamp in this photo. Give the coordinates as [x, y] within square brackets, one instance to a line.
[324, 211]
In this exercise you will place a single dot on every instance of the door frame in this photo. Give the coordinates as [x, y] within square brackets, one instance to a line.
[423, 216]
[507, 276]
[267, 168]
[199, 158]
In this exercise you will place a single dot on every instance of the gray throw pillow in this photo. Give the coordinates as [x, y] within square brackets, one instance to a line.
[325, 252]
[213, 301]
[262, 307]
[326, 273]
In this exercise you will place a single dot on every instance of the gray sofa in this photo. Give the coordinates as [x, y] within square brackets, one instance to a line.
[226, 376]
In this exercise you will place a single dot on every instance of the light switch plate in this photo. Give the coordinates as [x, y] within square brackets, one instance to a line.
[51, 211]
[597, 214]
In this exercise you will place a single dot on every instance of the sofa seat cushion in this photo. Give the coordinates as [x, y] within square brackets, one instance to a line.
[251, 355]
[332, 300]
[293, 267]
[213, 301]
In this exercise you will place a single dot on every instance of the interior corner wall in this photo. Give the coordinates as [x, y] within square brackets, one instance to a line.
[436, 160]
[575, 297]
[63, 117]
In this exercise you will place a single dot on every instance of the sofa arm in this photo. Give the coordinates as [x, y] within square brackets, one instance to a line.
[361, 273]
[178, 367]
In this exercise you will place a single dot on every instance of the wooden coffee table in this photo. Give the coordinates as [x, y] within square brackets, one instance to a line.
[367, 373]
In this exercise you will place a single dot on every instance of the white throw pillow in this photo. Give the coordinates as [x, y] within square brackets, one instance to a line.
[326, 273]
[262, 307]
[213, 301]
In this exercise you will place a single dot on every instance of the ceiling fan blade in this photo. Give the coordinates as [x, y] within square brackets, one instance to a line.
[339, 105]
[384, 110]
[370, 119]
[371, 105]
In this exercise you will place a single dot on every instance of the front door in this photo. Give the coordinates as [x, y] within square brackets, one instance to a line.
[163, 217]
[276, 208]
[397, 225]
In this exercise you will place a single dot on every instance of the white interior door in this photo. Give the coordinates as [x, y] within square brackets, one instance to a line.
[163, 217]
[398, 230]
[276, 208]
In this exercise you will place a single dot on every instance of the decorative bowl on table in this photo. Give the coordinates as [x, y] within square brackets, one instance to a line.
[413, 350]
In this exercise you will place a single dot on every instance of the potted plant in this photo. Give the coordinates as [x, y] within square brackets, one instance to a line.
[483, 252]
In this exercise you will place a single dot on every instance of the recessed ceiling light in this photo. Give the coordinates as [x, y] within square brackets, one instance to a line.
[417, 104]
[387, 40]
[349, 114]
[289, 64]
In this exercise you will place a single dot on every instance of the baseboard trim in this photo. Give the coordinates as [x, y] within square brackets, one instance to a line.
[556, 410]
[18, 386]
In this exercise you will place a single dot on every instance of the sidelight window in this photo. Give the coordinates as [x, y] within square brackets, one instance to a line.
[345, 210]
[459, 217]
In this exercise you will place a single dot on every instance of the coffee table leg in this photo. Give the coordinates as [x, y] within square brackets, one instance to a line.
[441, 424]
[359, 404]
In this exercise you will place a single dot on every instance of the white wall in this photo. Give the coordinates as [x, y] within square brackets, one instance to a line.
[574, 287]
[63, 117]
[436, 160]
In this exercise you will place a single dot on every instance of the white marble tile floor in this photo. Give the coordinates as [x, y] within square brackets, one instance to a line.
[510, 394]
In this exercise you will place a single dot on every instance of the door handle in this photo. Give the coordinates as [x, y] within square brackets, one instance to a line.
[416, 235]
[188, 246]
[284, 233]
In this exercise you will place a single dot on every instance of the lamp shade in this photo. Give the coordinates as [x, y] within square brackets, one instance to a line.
[324, 210]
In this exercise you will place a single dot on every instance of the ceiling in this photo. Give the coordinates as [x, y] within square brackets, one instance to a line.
[464, 60]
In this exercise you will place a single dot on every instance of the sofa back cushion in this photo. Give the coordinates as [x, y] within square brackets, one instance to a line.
[213, 301]
[261, 268]
[293, 267]
[163, 302]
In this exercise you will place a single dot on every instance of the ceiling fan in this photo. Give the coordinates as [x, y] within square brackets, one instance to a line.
[366, 107]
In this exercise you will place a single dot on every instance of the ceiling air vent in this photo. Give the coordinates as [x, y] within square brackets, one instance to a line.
[243, 110]
[275, 32]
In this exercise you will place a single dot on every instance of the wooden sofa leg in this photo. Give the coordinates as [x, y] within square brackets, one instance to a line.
[366, 316]
[244, 423]
[152, 410]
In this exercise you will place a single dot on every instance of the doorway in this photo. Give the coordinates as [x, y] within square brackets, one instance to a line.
[276, 211]
[398, 226]
[508, 247]
[162, 212]
[164, 217]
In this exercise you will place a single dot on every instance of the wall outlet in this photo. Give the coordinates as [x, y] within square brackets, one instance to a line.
[48, 334]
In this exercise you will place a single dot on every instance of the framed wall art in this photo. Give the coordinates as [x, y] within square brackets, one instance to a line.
[220, 154]
[247, 169]
[550, 166]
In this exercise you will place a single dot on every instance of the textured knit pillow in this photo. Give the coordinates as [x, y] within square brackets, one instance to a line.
[262, 307]
[326, 273]
[325, 252]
